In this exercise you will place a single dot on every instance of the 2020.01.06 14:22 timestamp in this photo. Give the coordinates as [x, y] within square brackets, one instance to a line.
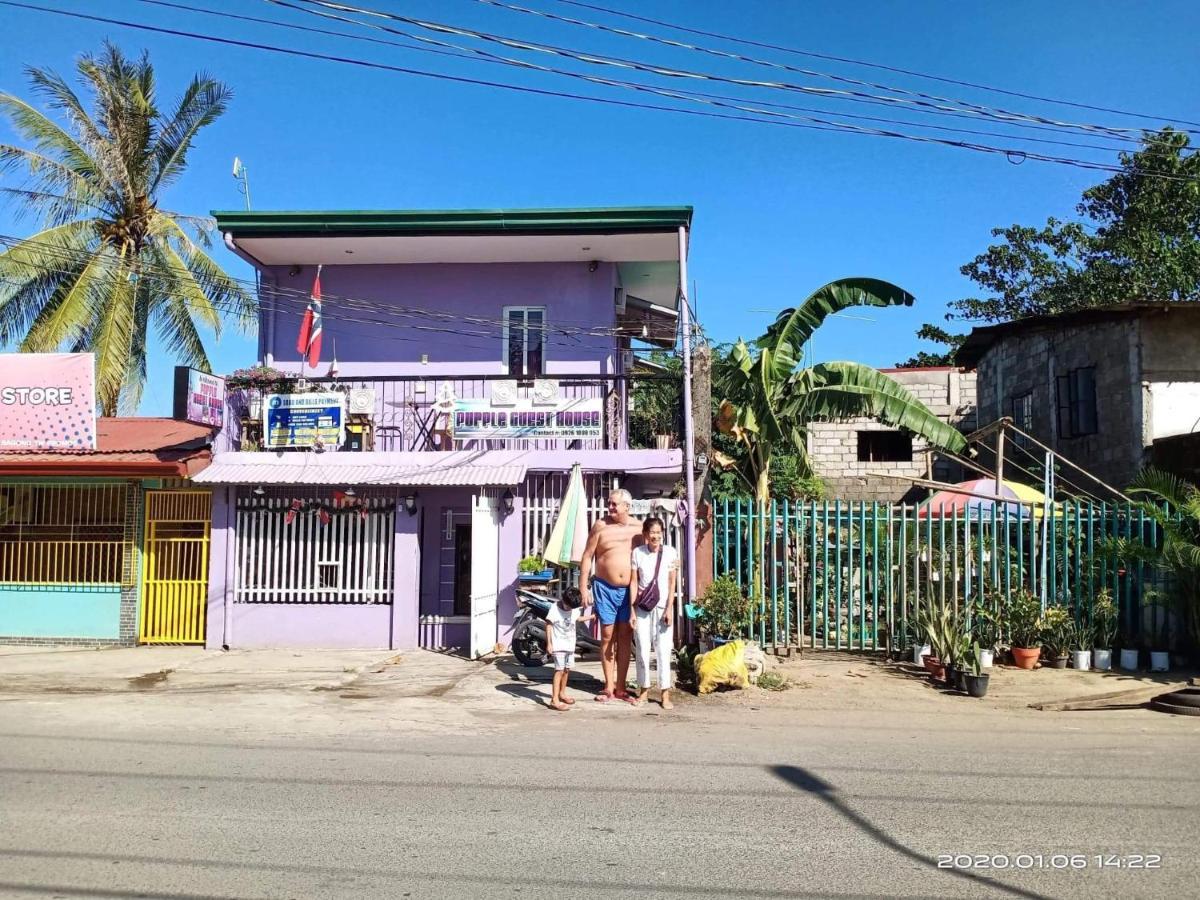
[1050, 861]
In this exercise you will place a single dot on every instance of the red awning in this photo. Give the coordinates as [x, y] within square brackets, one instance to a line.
[126, 447]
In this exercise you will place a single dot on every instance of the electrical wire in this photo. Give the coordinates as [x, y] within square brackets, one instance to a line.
[1013, 155]
[666, 71]
[294, 302]
[747, 59]
[871, 65]
[731, 102]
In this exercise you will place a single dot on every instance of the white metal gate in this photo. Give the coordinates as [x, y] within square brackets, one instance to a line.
[315, 550]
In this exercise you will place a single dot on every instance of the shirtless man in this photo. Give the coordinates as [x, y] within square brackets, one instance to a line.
[608, 556]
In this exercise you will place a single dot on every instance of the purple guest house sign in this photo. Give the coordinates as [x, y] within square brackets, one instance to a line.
[47, 401]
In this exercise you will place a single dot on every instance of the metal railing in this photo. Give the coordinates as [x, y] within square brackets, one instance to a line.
[410, 412]
[852, 576]
[52, 534]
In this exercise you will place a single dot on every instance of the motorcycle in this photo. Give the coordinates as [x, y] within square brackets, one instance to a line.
[529, 630]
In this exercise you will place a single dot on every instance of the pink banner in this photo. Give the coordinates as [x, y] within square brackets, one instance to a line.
[47, 401]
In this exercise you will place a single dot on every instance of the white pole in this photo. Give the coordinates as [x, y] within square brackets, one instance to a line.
[688, 422]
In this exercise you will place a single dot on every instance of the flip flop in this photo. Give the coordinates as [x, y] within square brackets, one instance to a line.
[603, 697]
[567, 700]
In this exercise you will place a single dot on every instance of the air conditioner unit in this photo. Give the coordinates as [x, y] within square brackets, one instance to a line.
[361, 402]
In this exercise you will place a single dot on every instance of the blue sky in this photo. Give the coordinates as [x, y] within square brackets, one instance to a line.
[779, 211]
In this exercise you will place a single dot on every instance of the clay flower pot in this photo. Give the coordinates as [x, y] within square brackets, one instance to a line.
[1026, 657]
[934, 666]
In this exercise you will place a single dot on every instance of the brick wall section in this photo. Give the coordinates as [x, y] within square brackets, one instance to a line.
[1030, 361]
[135, 505]
[833, 446]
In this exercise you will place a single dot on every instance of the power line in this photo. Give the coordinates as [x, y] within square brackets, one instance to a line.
[724, 54]
[289, 301]
[467, 53]
[1012, 154]
[872, 65]
[461, 52]
[622, 62]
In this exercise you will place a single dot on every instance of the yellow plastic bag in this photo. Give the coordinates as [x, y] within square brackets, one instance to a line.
[724, 665]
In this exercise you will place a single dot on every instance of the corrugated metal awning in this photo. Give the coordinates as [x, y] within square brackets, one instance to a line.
[311, 472]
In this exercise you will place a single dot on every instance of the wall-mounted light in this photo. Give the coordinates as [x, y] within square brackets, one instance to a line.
[410, 504]
[507, 502]
[349, 492]
[259, 491]
[593, 265]
[294, 271]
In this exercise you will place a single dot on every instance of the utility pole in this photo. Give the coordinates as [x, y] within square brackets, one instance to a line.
[689, 424]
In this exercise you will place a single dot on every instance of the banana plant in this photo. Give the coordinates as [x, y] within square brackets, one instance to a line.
[769, 401]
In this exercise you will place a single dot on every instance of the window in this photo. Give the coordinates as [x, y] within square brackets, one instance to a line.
[1021, 411]
[884, 446]
[525, 340]
[1076, 402]
[64, 534]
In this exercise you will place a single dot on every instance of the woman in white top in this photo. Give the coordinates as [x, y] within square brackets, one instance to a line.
[652, 628]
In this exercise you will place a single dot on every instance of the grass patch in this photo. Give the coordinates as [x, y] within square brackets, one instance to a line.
[773, 681]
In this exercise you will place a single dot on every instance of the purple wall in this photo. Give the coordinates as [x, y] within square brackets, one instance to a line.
[367, 316]
[437, 553]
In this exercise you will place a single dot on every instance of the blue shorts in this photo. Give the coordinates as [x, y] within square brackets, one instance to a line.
[612, 603]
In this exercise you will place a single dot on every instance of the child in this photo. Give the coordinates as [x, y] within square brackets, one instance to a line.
[560, 642]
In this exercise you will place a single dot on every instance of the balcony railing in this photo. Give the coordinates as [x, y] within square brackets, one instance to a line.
[412, 412]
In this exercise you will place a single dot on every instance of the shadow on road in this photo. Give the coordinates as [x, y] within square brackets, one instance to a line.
[805, 781]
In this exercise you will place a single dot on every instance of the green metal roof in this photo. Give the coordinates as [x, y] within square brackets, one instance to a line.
[594, 220]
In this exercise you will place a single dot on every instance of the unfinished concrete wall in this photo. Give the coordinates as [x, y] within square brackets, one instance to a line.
[1030, 362]
[834, 446]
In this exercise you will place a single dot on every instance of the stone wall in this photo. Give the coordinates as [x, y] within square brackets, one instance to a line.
[833, 446]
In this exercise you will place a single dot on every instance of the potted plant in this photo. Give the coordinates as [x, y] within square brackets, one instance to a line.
[1057, 635]
[985, 628]
[976, 679]
[534, 568]
[1081, 652]
[1129, 651]
[932, 623]
[1104, 630]
[724, 610]
[1024, 622]
[1160, 660]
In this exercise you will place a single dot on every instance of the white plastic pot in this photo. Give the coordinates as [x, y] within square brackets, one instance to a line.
[1160, 661]
[1129, 660]
[918, 652]
[1101, 660]
[986, 659]
[1081, 659]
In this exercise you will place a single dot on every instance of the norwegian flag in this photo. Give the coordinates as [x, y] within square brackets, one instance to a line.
[295, 508]
[309, 343]
[323, 515]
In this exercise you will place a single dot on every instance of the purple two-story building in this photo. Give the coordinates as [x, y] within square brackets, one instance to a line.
[384, 496]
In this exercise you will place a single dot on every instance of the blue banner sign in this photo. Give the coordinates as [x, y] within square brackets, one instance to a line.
[303, 420]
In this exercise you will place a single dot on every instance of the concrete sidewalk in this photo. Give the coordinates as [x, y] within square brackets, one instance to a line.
[74, 671]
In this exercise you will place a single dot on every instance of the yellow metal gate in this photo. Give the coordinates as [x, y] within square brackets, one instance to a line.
[175, 567]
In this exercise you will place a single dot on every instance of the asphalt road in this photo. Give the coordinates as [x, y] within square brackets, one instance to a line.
[143, 797]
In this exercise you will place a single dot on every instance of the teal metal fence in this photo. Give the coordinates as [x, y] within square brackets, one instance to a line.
[851, 576]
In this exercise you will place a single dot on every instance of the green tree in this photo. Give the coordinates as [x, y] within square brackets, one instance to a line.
[1137, 238]
[924, 359]
[769, 401]
[109, 261]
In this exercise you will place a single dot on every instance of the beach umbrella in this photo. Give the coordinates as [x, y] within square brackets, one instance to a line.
[569, 535]
[976, 499]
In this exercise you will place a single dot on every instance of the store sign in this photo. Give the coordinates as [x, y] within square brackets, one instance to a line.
[303, 420]
[47, 401]
[199, 397]
[479, 419]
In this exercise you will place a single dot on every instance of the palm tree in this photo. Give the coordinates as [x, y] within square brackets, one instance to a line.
[768, 401]
[110, 261]
[1173, 504]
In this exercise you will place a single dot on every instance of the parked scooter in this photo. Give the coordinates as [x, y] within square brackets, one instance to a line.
[529, 630]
